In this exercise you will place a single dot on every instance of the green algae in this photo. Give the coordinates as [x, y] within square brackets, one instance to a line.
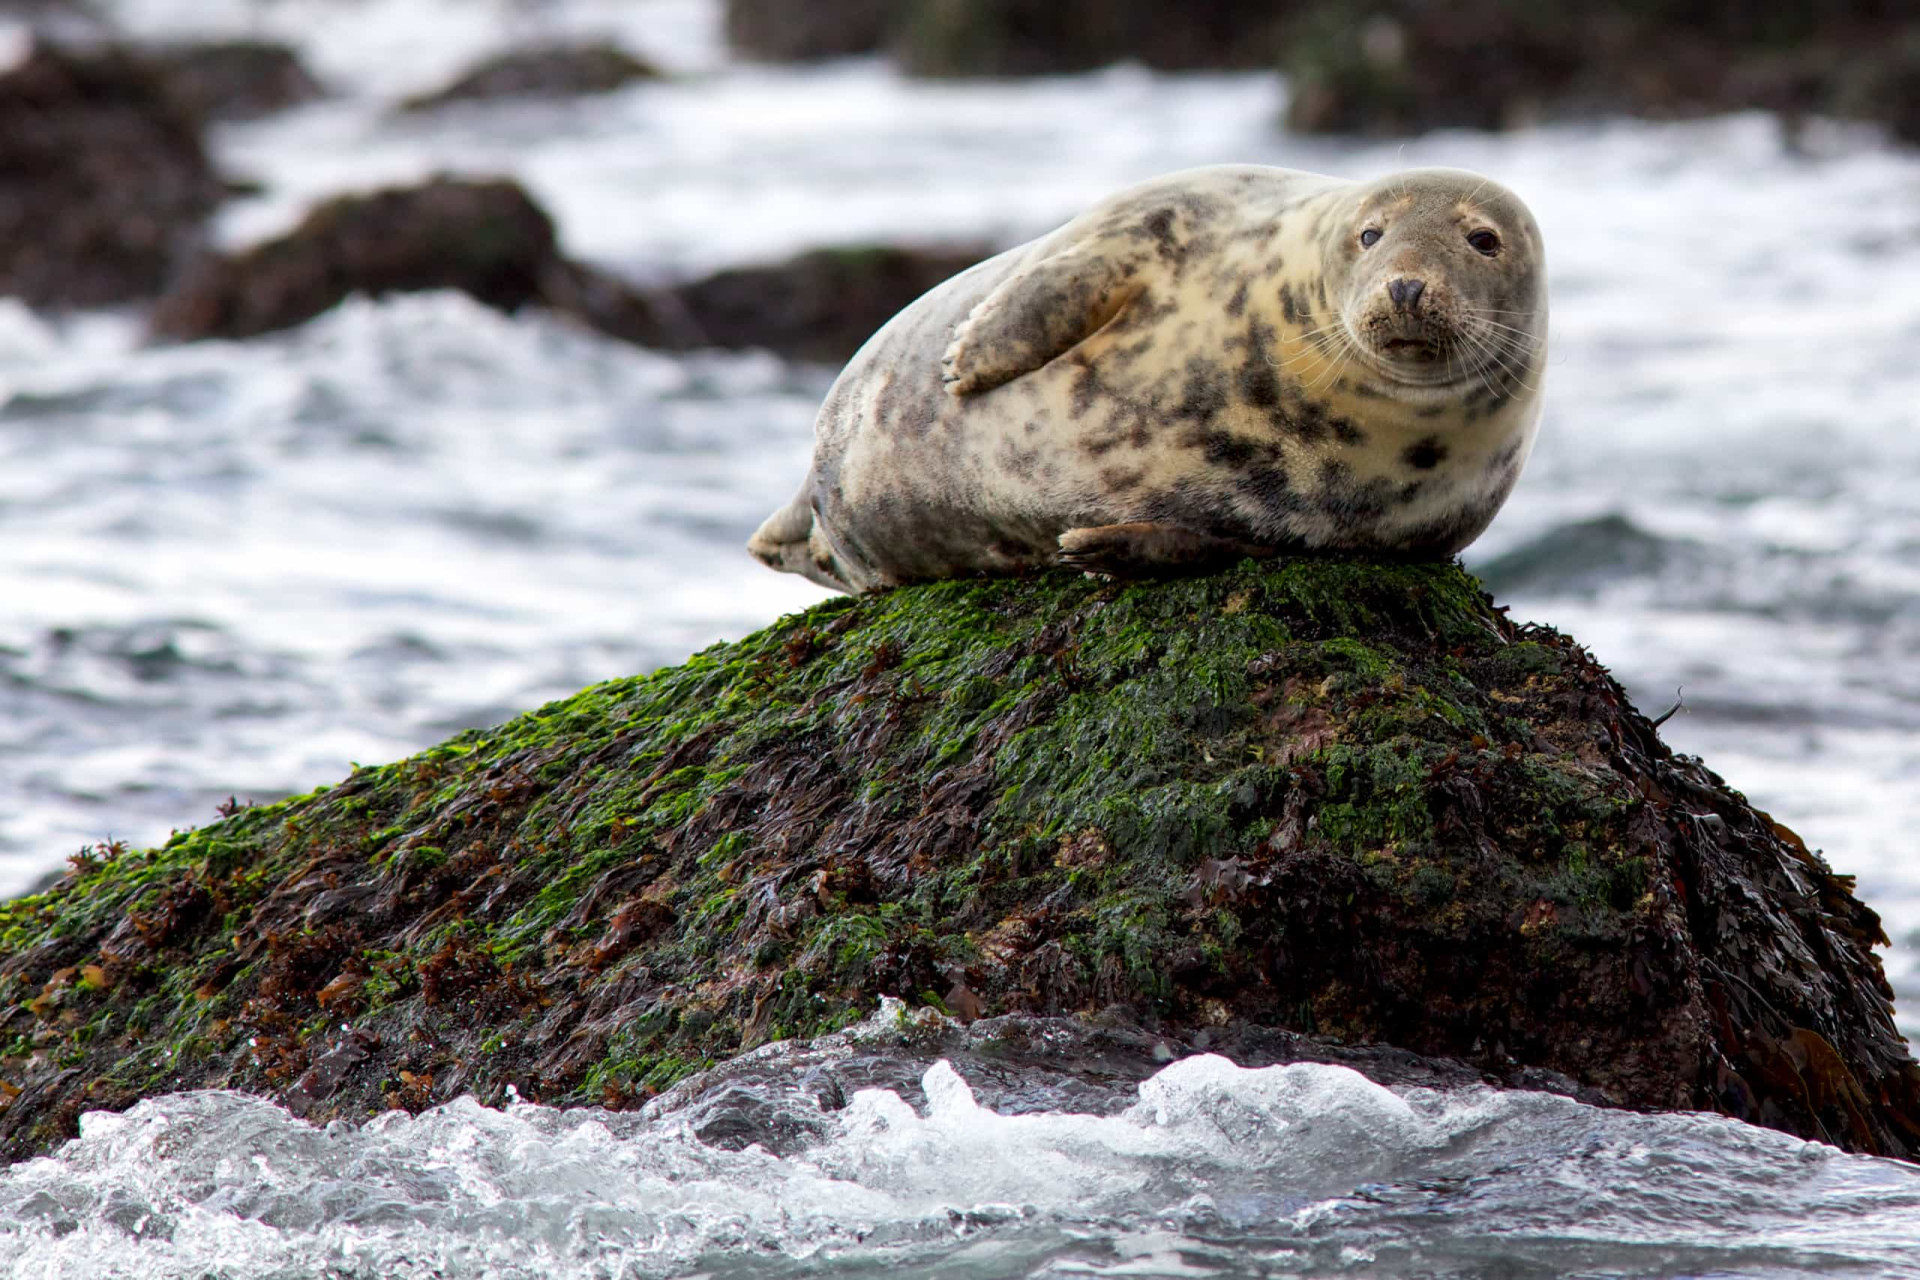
[1331, 796]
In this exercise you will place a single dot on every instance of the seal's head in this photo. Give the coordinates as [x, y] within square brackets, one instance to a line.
[1444, 279]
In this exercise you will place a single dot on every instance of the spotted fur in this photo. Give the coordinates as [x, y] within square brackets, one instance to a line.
[1153, 362]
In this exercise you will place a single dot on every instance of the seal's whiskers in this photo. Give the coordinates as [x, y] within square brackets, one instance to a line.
[1323, 341]
[1502, 357]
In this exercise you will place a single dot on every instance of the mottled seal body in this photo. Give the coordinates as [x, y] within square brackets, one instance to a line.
[1221, 361]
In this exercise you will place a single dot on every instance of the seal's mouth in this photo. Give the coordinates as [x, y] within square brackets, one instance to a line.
[1417, 350]
[1426, 356]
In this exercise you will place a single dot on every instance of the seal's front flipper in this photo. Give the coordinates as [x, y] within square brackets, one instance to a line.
[1039, 312]
[1143, 550]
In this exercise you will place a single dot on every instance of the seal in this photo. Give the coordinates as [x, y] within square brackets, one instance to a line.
[1226, 361]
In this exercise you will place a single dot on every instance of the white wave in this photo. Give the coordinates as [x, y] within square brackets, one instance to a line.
[1216, 1170]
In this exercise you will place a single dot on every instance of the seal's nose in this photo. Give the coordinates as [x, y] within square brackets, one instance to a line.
[1405, 293]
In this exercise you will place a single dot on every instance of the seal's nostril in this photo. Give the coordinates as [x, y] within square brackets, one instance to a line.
[1405, 293]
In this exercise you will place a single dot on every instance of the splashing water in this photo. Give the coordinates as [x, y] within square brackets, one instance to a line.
[1213, 1170]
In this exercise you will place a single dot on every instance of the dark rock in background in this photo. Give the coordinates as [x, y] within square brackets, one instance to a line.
[487, 238]
[551, 72]
[1488, 67]
[1043, 37]
[491, 240]
[1405, 66]
[1309, 809]
[104, 183]
[234, 79]
[1885, 86]
[807, 30]
[1012, 37]
[819, 305]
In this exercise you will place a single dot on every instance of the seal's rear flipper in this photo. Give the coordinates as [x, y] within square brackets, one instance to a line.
[788, 541]
[789, 525]
[1145, 549]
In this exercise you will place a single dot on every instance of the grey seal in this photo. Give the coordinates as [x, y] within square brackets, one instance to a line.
[1218, 362]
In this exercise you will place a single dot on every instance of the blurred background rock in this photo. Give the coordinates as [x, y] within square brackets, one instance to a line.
[1398, 66]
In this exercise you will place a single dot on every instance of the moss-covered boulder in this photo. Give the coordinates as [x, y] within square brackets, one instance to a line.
[1349, 801]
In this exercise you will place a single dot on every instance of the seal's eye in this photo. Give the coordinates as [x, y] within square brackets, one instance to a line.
[1484, 242]
[1368, 237]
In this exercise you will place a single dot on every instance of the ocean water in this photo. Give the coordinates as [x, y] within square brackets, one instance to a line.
[234, 569]
[1206, 1169]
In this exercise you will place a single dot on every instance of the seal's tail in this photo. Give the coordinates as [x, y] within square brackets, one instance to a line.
[788, 541]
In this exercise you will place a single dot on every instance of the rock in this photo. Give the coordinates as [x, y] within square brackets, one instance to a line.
[235, 79]
[1884, 86]
[1407, 68]
[554, 71]
[1012, 37]
[1319, 810]
[820, 305]
[1412, 65]
[104, 184]
[492, 240]
[1046, 37]
[782, 31]
[487, 238]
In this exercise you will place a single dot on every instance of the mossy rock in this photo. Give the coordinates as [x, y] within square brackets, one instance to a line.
[1340, 799]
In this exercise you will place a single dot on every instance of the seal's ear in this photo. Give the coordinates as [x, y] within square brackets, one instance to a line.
[1039, 312]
